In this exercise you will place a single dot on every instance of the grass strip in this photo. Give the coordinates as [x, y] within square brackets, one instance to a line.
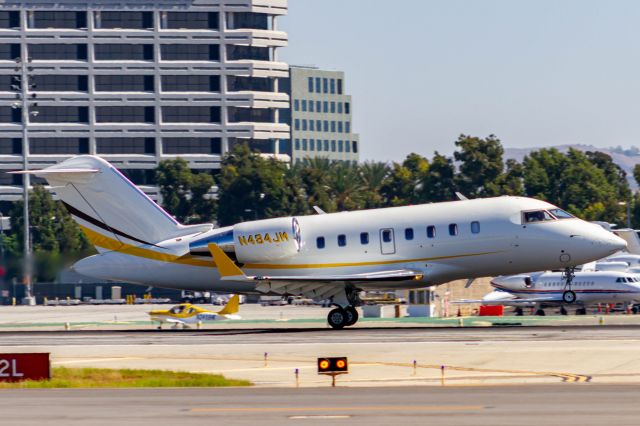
[63, 377]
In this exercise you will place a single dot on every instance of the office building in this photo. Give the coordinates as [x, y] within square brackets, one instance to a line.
[138, 81]
[320, 115]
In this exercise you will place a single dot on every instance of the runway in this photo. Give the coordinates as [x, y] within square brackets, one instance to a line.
[583, 405]
[378, 356]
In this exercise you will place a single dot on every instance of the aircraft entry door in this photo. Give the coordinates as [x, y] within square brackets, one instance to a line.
[387, 241]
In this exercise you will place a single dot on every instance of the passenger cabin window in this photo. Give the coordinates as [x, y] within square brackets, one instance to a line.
[453, 229]
[320, 242]
[475, 227]
[386, 236]
[408, 234]
[561, 214]
[537, 216]
[431, 231]
[364, 238]
[342, 240]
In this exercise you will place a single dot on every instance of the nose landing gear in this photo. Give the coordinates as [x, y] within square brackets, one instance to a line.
[569, 296]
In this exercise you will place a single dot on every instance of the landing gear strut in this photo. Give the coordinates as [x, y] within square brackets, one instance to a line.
[345, 314]
[569, 296]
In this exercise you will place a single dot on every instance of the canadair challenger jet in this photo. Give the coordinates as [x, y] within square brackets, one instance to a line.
[324, 256]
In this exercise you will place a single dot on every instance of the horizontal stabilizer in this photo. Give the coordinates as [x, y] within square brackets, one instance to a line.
[43, 172]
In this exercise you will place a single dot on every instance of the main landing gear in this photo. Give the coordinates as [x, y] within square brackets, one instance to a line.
[569, 296]
[345, 314]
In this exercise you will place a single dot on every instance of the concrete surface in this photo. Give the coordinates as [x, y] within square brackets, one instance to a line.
[561, 404]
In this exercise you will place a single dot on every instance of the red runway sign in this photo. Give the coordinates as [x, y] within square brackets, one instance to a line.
[18, 367]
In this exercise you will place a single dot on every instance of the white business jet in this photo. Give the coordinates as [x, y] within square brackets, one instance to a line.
[325, 256]
[548, 289]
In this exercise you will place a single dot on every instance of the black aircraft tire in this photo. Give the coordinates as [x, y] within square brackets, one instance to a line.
[352, 315]
[569, 297]
[337, 318]
[540, 312]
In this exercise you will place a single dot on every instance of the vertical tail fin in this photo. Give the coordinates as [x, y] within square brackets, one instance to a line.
[111, 210]
[232, 306]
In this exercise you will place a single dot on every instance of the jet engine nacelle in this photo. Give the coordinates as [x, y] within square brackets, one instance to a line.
[266, 240]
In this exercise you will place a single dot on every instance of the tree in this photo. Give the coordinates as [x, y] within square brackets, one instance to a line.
[185, 194]
[404, 182]
[56, 239]
[372, 177]
[439, 183]
[480, 165]
[251, 187]
[346, 188]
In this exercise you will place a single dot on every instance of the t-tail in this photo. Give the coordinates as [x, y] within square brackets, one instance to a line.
[110, 209]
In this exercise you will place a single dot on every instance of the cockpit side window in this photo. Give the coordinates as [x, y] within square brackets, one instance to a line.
[561, 214]
[536, 216]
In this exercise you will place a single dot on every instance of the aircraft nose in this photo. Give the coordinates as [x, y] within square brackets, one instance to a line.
[614, 243]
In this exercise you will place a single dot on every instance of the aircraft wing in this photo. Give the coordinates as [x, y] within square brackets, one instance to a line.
[313, 286]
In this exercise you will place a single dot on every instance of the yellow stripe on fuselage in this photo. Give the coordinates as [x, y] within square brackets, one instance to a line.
[108, 243]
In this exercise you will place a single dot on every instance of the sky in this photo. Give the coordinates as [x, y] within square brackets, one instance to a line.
[422, 72]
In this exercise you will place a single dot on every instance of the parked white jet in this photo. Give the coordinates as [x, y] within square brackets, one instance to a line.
[549, 289]
[325, 256]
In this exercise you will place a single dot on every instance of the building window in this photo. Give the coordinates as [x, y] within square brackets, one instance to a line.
[355, 146]
[11, 146]
[236, 52]
[339, 107]
[312, 125]
[347, 146]
[312, 144]
[339, 86]
[318, 85]
[320, 242]
[408, 234]
[252, 84]
[325, 85]
[333, 146]
[126, 146]
[297, 145]
[296, 124]
[125, 20]
[347, 127]
[310, 84]
[475, 227]
[57, 52]
[342, 240]
[304, 125]
[304, 144]
[333, 107]
[59, 19]
[124, 83]
[62, 114]
[60, 83]
[249, 20]
[333, 127]
[296, 105]
[340, 146]
[340, 127]
[192, 20]
[123, 52]
[318, 106]
[125, 114]
[364, 238]
[325, 108]
[10, 20]
[191, 145]
[332, 88]
[453, 229]
[9, 52]
[347, 108]
[304, 105]
[319, 125]
[190, 52]
[431, 231]
[326, 125]
[250, 115]
[190, 114]
[326, 145]
[311, 106]
[190, 83]
[140, 176]
[46, 146]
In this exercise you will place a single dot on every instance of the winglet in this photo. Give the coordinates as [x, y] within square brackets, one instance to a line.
[232, 306]
[225, 265]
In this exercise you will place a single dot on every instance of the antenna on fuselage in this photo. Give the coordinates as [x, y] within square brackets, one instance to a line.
[319, 210]
[461, 197]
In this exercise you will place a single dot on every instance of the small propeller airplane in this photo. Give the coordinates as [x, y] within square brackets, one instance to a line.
[186, 314]
[327, 256]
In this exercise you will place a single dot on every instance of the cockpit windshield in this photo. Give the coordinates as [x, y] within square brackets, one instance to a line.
[537, 216]
[177, 309]
[561, 214]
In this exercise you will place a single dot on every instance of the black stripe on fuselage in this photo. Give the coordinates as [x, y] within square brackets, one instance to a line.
[96, 222]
